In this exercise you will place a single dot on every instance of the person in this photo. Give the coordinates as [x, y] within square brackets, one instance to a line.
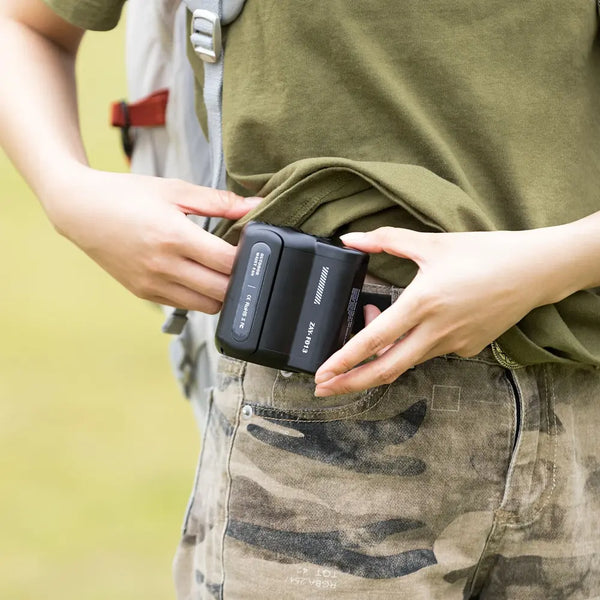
[449, 449]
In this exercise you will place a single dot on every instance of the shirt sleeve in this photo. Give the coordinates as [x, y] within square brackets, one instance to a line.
[99, 15]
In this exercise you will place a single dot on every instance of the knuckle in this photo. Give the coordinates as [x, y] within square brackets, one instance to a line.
[375, 343]
[168, 238]
[467, 350]
[343, 388]
[385, 234]
[386, 374]
[155, 265]
[431, 301]
[385, 231]
[161, 238]
[214, 289]
[211, 307]
[344, 364]
[226, 199]
[473, 351]
[176, 186]
[144, 288]
[223, 261]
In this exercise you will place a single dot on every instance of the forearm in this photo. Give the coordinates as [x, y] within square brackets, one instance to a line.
[471, 287]
[38, 111]
[586, 248]
[573, 256]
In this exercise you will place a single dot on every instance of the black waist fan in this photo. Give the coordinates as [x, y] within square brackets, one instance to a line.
[291, 299]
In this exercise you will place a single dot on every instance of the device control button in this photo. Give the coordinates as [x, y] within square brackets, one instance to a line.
[286, 374]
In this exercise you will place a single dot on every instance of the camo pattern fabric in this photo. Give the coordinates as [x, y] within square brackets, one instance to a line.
[462, 479]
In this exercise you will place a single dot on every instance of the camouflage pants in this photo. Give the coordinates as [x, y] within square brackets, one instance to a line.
[462, 479]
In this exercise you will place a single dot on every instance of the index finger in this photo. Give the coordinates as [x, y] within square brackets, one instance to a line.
[205, 248]
[384, 330]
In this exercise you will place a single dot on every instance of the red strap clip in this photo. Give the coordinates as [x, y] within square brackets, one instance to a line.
[148, 112]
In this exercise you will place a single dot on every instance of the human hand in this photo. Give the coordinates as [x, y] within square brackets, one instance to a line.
[135, 227]
[470, 288]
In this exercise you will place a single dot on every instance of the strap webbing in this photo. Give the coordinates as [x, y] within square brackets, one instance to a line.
[230, 9]
[381, 301]
[213, 89]
[147, 112]
[207, 16]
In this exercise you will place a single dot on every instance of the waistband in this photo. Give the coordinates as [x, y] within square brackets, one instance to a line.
[489, 354]
[235, 367]
[383, 289]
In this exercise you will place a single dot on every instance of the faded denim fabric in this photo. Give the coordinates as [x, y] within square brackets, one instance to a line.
[462, 479]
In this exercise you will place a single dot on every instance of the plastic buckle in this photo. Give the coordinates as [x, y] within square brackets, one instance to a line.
[183, 361]
[206, 35]
[127, 140]
[175, 322]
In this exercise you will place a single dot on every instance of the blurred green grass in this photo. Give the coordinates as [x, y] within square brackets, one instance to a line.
[97, 447]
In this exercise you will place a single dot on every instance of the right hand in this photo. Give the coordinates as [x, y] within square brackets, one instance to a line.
[135, 228]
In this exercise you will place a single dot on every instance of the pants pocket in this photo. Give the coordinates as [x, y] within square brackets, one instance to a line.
[282, 395]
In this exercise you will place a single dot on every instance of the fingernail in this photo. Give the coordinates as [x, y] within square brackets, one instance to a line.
[253, 200]
[322, 377]
[356, 236]
[322, 392]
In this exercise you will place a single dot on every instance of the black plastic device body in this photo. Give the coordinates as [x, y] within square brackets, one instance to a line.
[291, 298]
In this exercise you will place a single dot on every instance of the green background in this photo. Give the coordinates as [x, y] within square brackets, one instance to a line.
[97, 447]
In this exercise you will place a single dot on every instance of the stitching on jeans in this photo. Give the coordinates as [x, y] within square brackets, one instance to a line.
[348, 409]
[306, 412]
[513, 466]
[275, 380]
[552, 433]
[192, 500]
[230, 366]
[342, 410]
[543, 502]
[317, 415]
[229, 478]
[490, 544]
[470, 359]
[342, 417]
[511, 445]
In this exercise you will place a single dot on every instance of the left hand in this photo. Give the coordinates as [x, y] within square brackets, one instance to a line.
[470, 288]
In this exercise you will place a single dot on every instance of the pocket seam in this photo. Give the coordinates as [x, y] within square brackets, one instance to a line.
[338, 413]
[192, 498]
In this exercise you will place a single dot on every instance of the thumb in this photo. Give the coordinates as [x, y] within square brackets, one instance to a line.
[371, 313]
[199, 200]
[404, 243]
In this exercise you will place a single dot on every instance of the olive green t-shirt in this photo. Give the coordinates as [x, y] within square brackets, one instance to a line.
[437, 116]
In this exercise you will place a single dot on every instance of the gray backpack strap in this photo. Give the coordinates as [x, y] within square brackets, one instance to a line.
[207, 17]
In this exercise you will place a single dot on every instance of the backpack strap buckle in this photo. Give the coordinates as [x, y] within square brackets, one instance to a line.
[127, 139]
[206, 35]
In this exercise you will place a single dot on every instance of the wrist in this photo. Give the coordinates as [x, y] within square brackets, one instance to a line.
[583, 249]
[63, 191]
[570, 253]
